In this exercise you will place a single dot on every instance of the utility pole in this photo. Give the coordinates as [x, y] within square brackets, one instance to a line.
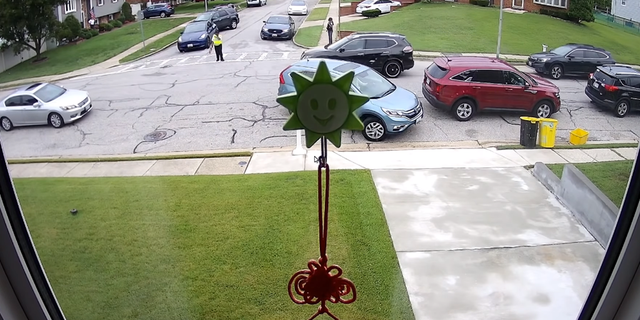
[500, 29]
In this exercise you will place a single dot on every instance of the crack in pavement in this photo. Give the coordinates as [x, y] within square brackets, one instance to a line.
[233, 136]
[509, 122]
[353, 139]
[82, 133]
[441, 130]
[570, 111]
[276, 136]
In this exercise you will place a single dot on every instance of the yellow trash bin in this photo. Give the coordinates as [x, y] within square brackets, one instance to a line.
[578, 136]
[548, 132]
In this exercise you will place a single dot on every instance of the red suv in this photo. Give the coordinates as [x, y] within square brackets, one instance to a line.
[467, 85]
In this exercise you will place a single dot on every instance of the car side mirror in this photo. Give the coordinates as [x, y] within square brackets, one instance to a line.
[37, 105]
[570, 57]
[341, 50]
[264, 21]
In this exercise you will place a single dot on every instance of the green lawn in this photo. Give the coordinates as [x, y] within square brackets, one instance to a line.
[197, 7]
[324, 2]
[309, 36]
[90, 52]
[153, 46]
[610, 177]
[208, 247]
[469, 28]
[317, 14]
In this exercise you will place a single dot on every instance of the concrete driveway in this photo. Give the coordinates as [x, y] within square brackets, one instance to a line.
[486, 243]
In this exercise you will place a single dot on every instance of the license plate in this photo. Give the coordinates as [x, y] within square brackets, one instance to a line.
[595, 85]
[274, 35]
[189, 45]
[428, 81]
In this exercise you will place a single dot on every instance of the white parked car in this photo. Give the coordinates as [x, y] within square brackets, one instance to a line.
[298, 7]
[259, 3]
[383, 5]
[43, 103]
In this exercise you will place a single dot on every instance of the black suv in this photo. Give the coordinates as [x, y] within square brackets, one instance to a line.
[570, 59]
[224, 17]
[615, 87]
[386, 52]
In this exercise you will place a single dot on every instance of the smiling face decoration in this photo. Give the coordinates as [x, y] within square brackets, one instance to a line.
[323, 107]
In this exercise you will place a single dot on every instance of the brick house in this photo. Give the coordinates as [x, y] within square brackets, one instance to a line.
[530, 5]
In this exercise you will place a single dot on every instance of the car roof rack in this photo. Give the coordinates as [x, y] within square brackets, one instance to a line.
[378, 33]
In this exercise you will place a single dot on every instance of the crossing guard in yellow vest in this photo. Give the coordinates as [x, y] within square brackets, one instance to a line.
[217, 45]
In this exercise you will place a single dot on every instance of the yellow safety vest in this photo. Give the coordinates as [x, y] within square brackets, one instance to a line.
[216, 40]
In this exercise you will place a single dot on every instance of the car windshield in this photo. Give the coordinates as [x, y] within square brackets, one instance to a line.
[298, 3]
[334, 46]
[372, 84]
[50, 92]
[561, 51]
[195, 27]
[204, 17]
[278, 20]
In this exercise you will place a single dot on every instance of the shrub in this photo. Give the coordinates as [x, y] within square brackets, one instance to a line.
[581, 10]
[371, 13]
[115, 23]
[94, 32]
[105, 27]
[126, 12]
[85, 34]
[122, 19]
[554, 13]
[62, 32]
[73, 25]
[483, 3]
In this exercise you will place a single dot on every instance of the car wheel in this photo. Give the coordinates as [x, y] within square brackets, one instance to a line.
[392, 69]
[162, 15]
[622, 107]
[543, 109]
[374, 129]
[261, 37]
[7, 125]
[234, 24]
[464, 110]
[556, 71]
[55, 120]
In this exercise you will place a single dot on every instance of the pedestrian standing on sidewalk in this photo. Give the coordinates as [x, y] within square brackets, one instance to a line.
[217, 46]
[330, 30]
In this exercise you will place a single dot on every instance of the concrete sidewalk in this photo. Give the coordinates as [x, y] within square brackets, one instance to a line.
[283, 161]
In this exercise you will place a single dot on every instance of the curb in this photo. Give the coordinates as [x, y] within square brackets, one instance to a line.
[32, 80]
[150, 54]
[472, 144]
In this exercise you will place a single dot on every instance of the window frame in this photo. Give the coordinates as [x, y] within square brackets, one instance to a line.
[379, 39]
[100, 3]
[352, 41]
[550, 3]
[70, 6]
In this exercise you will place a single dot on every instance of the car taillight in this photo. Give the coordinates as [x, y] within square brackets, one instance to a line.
[282, 74]
[590, 75]
[610, 88]
[407, 49]
[438, 88]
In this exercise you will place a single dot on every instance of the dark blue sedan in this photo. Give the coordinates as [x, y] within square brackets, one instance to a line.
[278, 27]
[196, 35]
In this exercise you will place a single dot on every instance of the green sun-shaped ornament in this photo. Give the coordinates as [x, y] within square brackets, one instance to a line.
[323, 107]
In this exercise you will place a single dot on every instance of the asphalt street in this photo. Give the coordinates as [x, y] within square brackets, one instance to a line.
[188, 102]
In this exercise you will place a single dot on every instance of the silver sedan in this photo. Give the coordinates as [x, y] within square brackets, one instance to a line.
[43, 103]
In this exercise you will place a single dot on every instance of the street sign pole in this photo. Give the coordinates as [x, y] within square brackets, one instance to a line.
[500, 29]
[141, 17]
[206, 5]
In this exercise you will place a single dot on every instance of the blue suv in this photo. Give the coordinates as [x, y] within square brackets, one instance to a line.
[390, 110]
[196, 35]
[161, 10]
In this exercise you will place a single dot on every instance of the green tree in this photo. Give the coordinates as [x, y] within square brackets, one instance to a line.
[28, 24]
[581, 10]
[126, 11]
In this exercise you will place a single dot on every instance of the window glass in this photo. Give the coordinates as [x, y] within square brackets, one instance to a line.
[561, 51]
[29, 100]
[354, 45]
[594, 55]
[376, 44]
[464, 76]
[223, 13]
[632, 82]
[577, 53]
[50, 92]
[513, 78]
[278, 20]
[436, 71]
[13, 102]
[371, 83]
[489, 76]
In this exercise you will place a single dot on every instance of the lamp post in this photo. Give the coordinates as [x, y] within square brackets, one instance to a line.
[299, 150]
[499, 29]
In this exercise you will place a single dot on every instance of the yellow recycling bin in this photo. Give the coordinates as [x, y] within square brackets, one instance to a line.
[548, 132]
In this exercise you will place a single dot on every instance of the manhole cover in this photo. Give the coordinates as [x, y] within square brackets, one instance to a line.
[156, 136]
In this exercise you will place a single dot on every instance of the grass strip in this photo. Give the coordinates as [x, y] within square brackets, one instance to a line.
[132, 158]
[308, 36]
[318, 14]
[154, 46]
[90, 52]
